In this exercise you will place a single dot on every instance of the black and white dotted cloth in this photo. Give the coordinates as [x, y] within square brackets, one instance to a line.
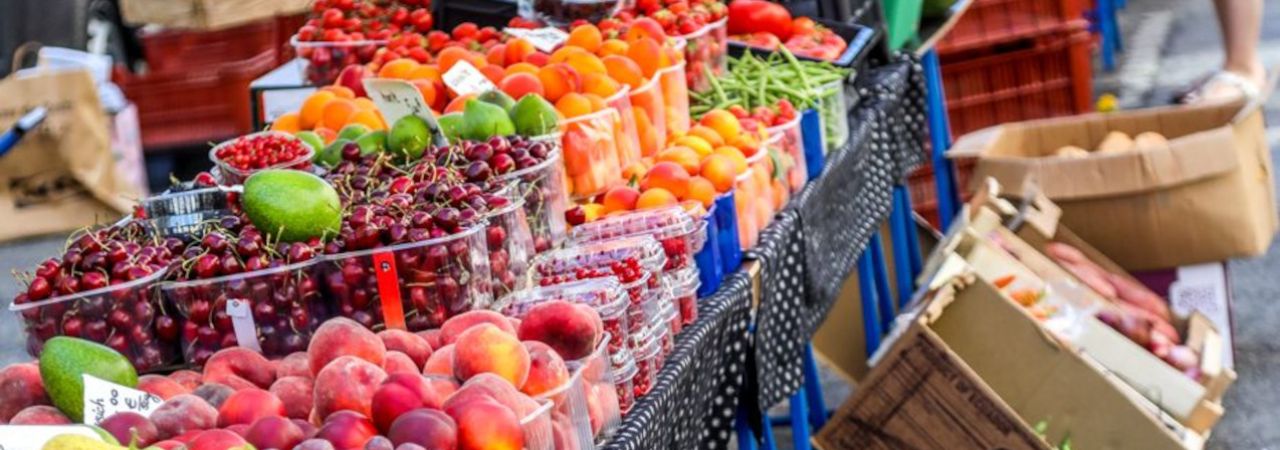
[694, 399]
[781, 331]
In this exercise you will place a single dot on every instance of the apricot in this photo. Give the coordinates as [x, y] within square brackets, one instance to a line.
[297, 394]
[458, 103]
[669, 176]
[496, 55]
[624, 71]
[347, 383]
[20, 387]
[287, 123]
[586, 37]
[453, 328]
[538, 59]
[735, 156]
[613, 47]
[557, 80]
[685, 157]
[516, 50]
[599, 84]
[344, 337]
[494, 73]
[574, 104]
[571, 331]
[586, 63]
[239, 368]
[517, 85]
[648, 55]
[313, 109]
[701, 190]
[723, 122]
[399, 68]
[700, 146]
[337, 113]
[523, 67]
[487, 348]
[707, 134]
[654, 198]
[620, 198]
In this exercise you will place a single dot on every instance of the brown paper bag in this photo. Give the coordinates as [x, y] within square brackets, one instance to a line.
[62, 175]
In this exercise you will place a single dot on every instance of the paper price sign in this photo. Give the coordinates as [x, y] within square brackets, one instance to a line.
[242, 323]
[102, 399]
[545, 39]
[397, 99]
[33, 437]
[465, 79]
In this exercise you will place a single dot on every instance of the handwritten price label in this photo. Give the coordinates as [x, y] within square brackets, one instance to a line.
[33, 437]
[397, 99]
[102, 399]
[465, 79]
[545, 39]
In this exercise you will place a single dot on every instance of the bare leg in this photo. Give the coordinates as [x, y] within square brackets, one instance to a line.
[1241, 26]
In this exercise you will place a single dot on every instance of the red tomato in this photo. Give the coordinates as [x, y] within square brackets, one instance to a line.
[751, 16]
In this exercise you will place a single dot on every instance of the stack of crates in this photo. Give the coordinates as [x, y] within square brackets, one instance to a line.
[1008, 61]
[195, 89]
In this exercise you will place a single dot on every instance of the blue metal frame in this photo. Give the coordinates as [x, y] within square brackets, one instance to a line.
[939, 138]
[1106, 24]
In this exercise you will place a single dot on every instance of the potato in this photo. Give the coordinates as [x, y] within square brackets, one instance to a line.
[1072, 152]
[1115, 142]
[1149, 140]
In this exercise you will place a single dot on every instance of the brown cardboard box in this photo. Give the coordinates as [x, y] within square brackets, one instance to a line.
[1207, 196]
[974, 370]
[207, 14]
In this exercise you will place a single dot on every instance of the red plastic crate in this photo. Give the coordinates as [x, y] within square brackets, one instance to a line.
[1054, 77]
[179, 50]
[195, 106]
[989, 22]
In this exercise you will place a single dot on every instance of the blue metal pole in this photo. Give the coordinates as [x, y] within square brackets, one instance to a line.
[913, 241]
[899, 230]
[870, 309]
[746, 438]
[813, 388]
[883, 297]
[799, 421]
[939, 137]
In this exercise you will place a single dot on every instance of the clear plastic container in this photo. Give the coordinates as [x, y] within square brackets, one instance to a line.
[325, 60]
[604, 295]
[272, 311]
[647, 363]
[628, 138]
[833, 108]
[562, 13]
[542, 187]
[128, 317]
[788, 143]
[680, 234]
[706, 49]
[591, 152]
[683, 287]
[583, 414]
[666, 334]
[231, 175]
[415, 286]
[650, 116]
[675, 98]
[624, 372]
[629, 259]
[757, 196]
[537, 428]
[645, 311]
[510, 245]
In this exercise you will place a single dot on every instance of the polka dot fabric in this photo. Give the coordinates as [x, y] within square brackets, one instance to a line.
[781, 329]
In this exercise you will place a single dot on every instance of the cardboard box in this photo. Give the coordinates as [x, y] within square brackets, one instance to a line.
[973, 370]
[1206, 196]
[206, 14]
[1203, 288]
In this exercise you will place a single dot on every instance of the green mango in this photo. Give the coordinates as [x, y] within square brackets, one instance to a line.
[534, 116]
[65, 360]
[481, 121]
[292, 205]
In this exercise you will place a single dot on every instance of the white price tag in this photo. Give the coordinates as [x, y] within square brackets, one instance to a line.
[242, 323]
[103, 398]
[33, 437]
[545, 39]
[465, 79]
[397, 99]
[278, 102]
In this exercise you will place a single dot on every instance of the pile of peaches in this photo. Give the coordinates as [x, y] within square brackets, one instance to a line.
[481, 381]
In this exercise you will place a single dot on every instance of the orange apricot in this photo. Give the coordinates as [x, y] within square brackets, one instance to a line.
[496, 55]
[558, 80]
[735, 156]
[656, 198]
[702, 190]
[425, 72]
[573, 105]
[340, 91]
[313, 108]
[537, 58]
[516, 51]
[720, 170]
[613, 47]
[685, 157]
[364, 103]
[287, 123]
[562, 54]
[494, 73]
[428, 90]
[458, 103]
[518, 84]
[371, 119]
[326, 134]
[620, 198]
[599, 84]
[522, 67]
[597, 102]
[668, 176]
[337, 113]
[696, 143]
[724, 124]
[399, 68]
[623, 70]
[708, 134]
[647, 54]
[587, 37]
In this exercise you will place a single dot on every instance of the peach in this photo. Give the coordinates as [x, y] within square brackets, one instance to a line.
[248, 405]
[308, 429]
[429, 428]
[214, 393]
[669, 176]
[189, 379]
[486, 348]
[184, 438]
[456, 325]
[347, 430]
[274, 432]
[347, 383]
[344, 337]
[379, 442]
[397, 362]
[161, 386]
[562, 433]
[414, 346]
[20, 387]
[440, 362]
[239, 429]
[217, 440]
[433, 338]
[571, 331]
[239, 368]
[296, 393]
[182, 414]
[297, 364]
[167, 445]
[602, 402]
[314, 444]
[517, 85]
[126, 426]
[619, 198]
[493, 387]
[547, 371]
[486, 425]
[537, 59]
[401, 393]
[39, 415]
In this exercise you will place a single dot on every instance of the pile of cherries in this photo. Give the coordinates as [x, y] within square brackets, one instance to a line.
[128, 319]
[260, 151]
[285, 304]
[362, 22]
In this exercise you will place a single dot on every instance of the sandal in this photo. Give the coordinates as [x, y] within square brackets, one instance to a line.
[1198, 91]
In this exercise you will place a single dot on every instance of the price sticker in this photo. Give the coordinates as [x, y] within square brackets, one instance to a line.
[384, 269]
[33, 437]
[397, 99]
[242, 323]
[465, 79]
[545, 39]
[102, 399]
